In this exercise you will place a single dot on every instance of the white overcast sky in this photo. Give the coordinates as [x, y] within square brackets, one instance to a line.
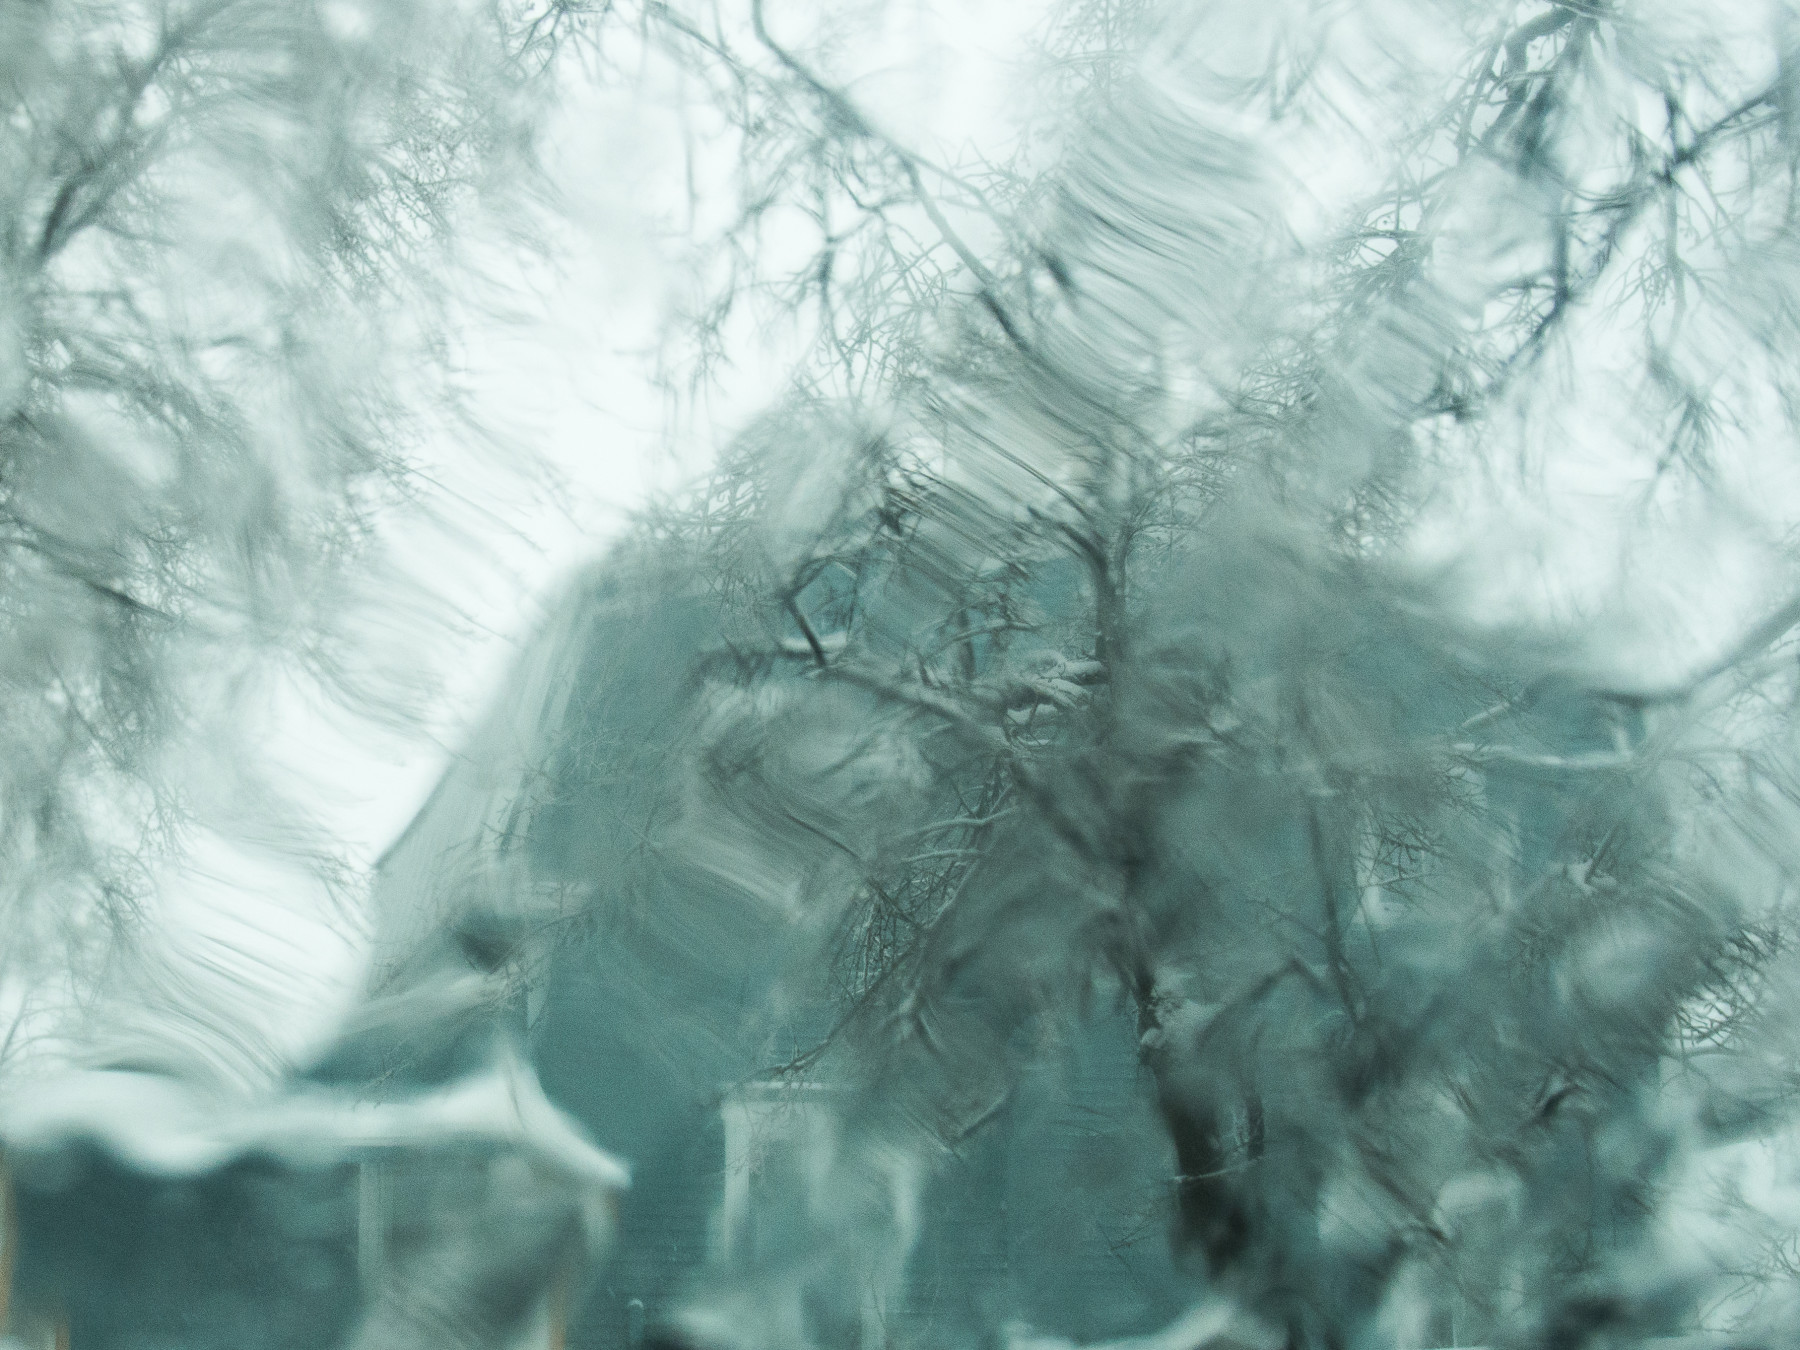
[565, 372]
[570, 373]
[556, 349]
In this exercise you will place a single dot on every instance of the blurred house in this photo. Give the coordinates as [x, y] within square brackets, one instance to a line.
[340, 1211]
[655, 995]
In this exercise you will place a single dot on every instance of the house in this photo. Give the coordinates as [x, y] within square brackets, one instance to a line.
[144, 1211]
[654, 997]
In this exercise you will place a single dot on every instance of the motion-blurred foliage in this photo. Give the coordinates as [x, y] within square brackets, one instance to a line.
[1248, 558]
[224, 226]
[1238, 559]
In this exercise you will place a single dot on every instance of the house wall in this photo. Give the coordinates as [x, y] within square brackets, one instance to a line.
[1056, 1214]
[655, 1003]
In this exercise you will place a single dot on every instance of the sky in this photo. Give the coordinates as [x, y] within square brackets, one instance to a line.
[567, 431]
[571, 373]
[557, 351]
